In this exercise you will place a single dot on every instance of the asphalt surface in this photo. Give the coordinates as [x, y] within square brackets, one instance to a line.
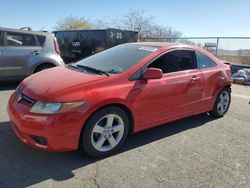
[199, 151]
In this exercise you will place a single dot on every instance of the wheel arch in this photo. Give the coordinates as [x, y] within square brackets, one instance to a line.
[42, 64]
[229, 87]
[226, 86]
[122, 106]
[220, 88]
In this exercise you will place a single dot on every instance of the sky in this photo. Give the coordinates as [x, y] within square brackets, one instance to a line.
[193, 18]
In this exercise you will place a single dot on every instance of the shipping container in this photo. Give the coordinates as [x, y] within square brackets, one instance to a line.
[78, 44]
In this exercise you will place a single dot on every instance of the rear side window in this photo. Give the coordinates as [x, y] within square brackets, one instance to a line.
[174, 61]
[41, 39]
[204, 61]
[19, 39]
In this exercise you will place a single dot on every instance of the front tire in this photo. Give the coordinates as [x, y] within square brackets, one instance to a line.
[222, 103]
[105, 132]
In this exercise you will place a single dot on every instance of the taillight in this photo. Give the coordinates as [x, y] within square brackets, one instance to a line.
[57, 49]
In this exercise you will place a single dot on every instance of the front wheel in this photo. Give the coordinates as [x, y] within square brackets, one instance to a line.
[105, 132]
[222, 103]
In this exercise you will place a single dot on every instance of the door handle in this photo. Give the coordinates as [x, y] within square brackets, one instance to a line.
[195, 78]
[36, 52]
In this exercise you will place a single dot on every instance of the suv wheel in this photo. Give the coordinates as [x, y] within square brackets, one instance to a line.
[105, 132]
[43, 67]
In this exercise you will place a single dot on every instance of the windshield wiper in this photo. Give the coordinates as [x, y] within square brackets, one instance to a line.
[93, 69]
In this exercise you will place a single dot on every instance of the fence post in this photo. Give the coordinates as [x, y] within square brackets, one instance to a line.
[217, 46]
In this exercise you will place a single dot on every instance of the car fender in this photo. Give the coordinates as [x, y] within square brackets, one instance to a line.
[112, 102]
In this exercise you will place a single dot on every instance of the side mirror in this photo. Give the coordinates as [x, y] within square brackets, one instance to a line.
[152, 73]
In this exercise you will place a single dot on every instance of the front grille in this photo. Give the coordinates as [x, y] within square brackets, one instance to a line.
[23, 98]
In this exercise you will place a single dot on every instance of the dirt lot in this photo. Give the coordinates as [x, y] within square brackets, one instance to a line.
[194, 152]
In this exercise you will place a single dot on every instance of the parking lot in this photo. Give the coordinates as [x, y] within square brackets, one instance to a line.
[198, 151]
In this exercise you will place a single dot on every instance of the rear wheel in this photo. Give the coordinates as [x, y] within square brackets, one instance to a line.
[105, 132]
[222, 103]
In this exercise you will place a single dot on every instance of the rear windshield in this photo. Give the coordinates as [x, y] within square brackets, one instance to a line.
[118, 59]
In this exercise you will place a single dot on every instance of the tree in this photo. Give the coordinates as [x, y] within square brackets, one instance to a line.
[73, 23]
[100, 24]
[145, 25]
[133, 20]
[166, 33]
[138, 21]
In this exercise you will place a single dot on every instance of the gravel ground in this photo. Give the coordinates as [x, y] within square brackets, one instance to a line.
[194, 152]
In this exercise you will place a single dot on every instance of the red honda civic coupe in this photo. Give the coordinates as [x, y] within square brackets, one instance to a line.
[96, 102]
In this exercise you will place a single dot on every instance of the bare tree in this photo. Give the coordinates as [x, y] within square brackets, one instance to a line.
[167, 34]
[133, 20]
[100, 24]
[137, 21]
[145, 25]
[186, 41]
[73, 23]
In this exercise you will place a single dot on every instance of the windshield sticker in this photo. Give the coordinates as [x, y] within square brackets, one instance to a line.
[148, 48]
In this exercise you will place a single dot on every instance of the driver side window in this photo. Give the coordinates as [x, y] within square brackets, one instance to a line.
[174, 61]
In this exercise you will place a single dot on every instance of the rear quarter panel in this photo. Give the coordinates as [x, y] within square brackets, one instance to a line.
[215, 79]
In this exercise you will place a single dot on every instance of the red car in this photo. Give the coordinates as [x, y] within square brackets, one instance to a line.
[96, 102]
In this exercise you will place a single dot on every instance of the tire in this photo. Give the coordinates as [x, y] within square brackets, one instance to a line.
[105, 132]
[222, 103]
[43, 67]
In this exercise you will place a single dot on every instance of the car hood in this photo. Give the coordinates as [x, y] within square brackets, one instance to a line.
[58, 84]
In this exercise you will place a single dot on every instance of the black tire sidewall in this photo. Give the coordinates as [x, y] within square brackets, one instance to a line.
[86, 143]
[43, 67]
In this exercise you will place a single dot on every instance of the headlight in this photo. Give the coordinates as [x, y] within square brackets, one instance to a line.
[54, 108]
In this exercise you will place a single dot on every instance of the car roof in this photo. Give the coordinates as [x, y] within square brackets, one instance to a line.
[22, 31]
[166, 45]
[158, 44]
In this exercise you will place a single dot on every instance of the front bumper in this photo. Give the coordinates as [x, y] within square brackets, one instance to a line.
[59, 132]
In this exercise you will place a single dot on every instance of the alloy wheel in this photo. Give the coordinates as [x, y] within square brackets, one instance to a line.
[223, 102]
[107, 133]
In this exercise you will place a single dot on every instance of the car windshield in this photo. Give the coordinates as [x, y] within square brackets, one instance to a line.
[117, 59]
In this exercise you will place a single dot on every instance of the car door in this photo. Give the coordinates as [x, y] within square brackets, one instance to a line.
[19, 50]
[176, 94]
